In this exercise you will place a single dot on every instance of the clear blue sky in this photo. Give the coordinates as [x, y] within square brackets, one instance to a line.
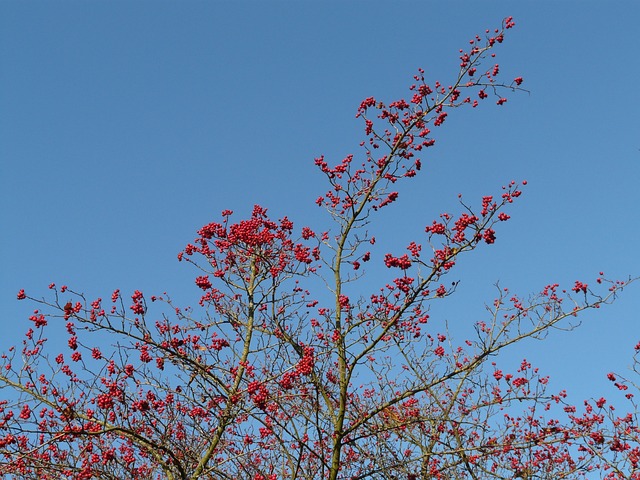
[125, 126]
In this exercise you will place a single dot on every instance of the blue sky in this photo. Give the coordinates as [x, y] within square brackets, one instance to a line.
[126, 126]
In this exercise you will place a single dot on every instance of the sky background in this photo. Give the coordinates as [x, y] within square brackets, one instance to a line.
[125, 126]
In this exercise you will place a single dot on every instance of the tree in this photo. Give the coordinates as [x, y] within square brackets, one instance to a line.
[289, 368]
